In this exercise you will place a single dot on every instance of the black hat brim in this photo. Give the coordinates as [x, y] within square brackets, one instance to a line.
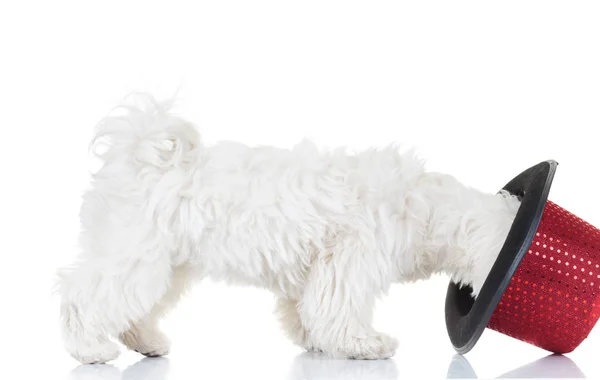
[466, 317]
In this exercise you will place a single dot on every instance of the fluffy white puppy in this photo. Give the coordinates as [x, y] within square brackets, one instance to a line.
[326, 231]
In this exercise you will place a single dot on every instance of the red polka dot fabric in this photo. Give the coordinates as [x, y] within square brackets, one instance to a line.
[553, 299]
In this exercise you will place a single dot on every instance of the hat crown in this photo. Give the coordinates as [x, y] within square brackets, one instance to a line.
[553, 299]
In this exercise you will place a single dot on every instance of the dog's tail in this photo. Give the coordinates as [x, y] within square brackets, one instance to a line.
[144, 131]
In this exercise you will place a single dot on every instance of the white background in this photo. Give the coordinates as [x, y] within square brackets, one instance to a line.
[483, 89]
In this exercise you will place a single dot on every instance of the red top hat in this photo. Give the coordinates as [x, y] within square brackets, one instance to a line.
[544, 288]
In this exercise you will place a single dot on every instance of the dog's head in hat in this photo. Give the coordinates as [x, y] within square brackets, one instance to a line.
[543, 287]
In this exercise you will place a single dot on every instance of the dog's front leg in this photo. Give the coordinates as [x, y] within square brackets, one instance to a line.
[337, 306]
[289, 317]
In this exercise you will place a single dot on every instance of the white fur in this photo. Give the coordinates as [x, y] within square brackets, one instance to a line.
[326, 231]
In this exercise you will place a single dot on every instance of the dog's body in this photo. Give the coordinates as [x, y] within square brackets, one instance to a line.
[326, 232]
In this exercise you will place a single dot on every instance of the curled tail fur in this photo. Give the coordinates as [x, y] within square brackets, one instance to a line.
[145, 132]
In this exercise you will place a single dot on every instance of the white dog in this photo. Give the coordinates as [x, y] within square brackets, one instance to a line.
[326, 231]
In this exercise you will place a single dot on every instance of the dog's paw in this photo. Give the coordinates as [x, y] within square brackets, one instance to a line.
[312, 349]
[309, 346]
[147, 342]
[370, 347]
[96, 354]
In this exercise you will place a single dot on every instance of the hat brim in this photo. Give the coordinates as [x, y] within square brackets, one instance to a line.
[467, 318]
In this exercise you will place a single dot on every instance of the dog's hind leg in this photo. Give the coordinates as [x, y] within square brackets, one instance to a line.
[144, 335]
[102, 295]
